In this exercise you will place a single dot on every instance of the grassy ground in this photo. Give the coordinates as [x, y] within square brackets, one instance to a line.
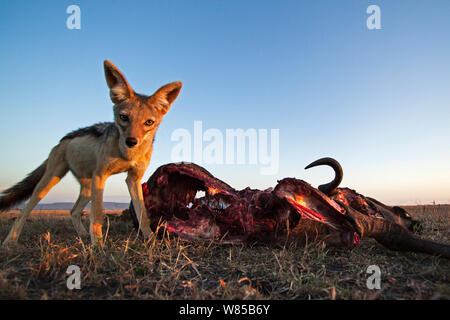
[167, 268]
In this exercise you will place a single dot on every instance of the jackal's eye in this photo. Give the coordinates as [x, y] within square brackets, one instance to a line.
[149, 122]
[123, 117]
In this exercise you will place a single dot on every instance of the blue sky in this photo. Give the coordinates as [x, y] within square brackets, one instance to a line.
[376, 100]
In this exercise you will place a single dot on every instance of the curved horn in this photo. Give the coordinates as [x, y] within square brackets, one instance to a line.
[329, 188]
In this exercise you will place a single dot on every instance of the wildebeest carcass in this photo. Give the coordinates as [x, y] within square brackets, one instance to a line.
[187, 200]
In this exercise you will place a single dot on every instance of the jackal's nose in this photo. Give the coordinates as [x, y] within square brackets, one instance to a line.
[131, 142]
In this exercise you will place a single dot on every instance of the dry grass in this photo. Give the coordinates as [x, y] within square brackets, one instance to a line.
[167, 268]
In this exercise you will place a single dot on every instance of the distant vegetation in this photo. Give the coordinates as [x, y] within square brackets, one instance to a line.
[69, 205]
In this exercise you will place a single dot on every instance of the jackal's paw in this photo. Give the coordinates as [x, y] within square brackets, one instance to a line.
[9, 242]
[146, 232]
[96, 241]
[82, 233]
[97, 244]
[79, 227]
[95, 231]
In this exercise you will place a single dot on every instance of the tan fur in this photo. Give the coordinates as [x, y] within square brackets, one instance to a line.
[93, 159]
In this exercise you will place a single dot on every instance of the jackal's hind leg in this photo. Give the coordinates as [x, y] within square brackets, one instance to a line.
[77, 210]
[52, 176]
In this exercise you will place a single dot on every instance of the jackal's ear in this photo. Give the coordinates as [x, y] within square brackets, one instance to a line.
[119, 89]
[166, 95]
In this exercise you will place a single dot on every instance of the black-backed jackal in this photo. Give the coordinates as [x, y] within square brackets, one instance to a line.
[94, 153]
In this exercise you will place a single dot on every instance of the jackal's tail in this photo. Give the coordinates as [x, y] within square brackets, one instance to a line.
[22, 190]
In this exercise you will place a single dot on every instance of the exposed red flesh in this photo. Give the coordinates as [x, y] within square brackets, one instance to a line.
[228, 215]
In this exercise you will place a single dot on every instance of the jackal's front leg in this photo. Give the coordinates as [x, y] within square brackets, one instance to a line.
[137, 197]
[96, 215]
